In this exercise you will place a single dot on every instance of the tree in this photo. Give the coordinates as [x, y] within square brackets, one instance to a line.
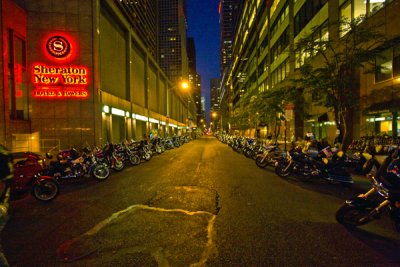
[268, 104]
[330, 71]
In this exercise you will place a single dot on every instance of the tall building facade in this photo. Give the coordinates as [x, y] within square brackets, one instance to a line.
[229, 11]
[194, 78]
[214, 94]
[76, 72]
[142, 16]
[264, 57]
[173, 38]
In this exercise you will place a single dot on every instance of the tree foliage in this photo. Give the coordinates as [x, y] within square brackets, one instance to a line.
[263, 108]
[331, 69]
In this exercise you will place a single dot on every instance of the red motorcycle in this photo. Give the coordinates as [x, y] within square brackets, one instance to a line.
[27, 178]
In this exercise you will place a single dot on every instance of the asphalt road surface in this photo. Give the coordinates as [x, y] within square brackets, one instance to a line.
[201, 204]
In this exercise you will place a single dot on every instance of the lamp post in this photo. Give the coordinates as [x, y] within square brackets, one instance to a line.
[214, 115]
[185, 86]
[181, 86]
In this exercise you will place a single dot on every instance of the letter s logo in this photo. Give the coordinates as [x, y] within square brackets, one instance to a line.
[58, 46]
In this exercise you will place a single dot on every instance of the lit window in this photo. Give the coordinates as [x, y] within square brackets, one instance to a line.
[17, 78]
[375, 5]
[384, 66]
[360, 8]
[345, 14]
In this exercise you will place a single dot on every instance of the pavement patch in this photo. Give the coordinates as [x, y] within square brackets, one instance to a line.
[176, 230]
[192, 198]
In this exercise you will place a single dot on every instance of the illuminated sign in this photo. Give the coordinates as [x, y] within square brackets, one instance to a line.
[61, 79]
[58, 92]
[58, 46]
[51, 75]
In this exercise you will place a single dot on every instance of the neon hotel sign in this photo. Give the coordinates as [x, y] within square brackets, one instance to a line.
[59, 81]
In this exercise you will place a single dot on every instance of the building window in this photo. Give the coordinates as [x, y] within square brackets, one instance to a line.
[17, 77]
[352, 9]
[375, 5]
[360, 8]
[345, 14]
[306, 13]
[384, 66]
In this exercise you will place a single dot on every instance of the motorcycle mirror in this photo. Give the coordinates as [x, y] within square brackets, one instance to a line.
[49, 156]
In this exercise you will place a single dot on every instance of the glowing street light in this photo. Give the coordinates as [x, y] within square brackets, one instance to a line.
[185, 85]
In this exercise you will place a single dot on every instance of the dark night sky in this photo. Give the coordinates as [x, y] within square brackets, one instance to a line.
[203, 26]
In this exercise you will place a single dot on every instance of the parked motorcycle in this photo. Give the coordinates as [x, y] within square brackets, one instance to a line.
[365, 207]
[306, 167]
[70, 164]
[142, 150]
[156, 146]
[125, 152]
[269, 156]
[108, 157]
[27, 178]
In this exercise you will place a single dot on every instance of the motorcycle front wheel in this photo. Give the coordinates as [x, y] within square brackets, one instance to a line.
[134, 159]
[147, 156]
[101, 172]
[351, 217]
[283, 170]
[118, 165]
[261, 162]
[46, 190]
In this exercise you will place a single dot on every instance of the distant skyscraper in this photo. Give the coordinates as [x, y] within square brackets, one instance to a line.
[194, 77]
[229, 12]
[214, 85]
[172, 39]
[191, 51]
[143, 17]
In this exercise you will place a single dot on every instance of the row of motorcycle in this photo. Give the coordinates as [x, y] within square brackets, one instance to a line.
[41, 175]
[336, 166]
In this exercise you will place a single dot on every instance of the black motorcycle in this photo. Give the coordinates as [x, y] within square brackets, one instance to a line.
[70, 164]
[306, 167]
[365, 207]
[126, 153]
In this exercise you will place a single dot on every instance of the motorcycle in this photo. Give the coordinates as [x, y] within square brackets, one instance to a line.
[306, 167]
[269, 156]
[365, 208]
[142, 151]
[156, 146]
[72, 165]
[252, 149]
[126, 153]
[108, 157]
[27, 178]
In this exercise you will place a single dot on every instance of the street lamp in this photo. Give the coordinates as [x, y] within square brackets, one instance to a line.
[185, 86]
[180, 86]
[214, 115]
